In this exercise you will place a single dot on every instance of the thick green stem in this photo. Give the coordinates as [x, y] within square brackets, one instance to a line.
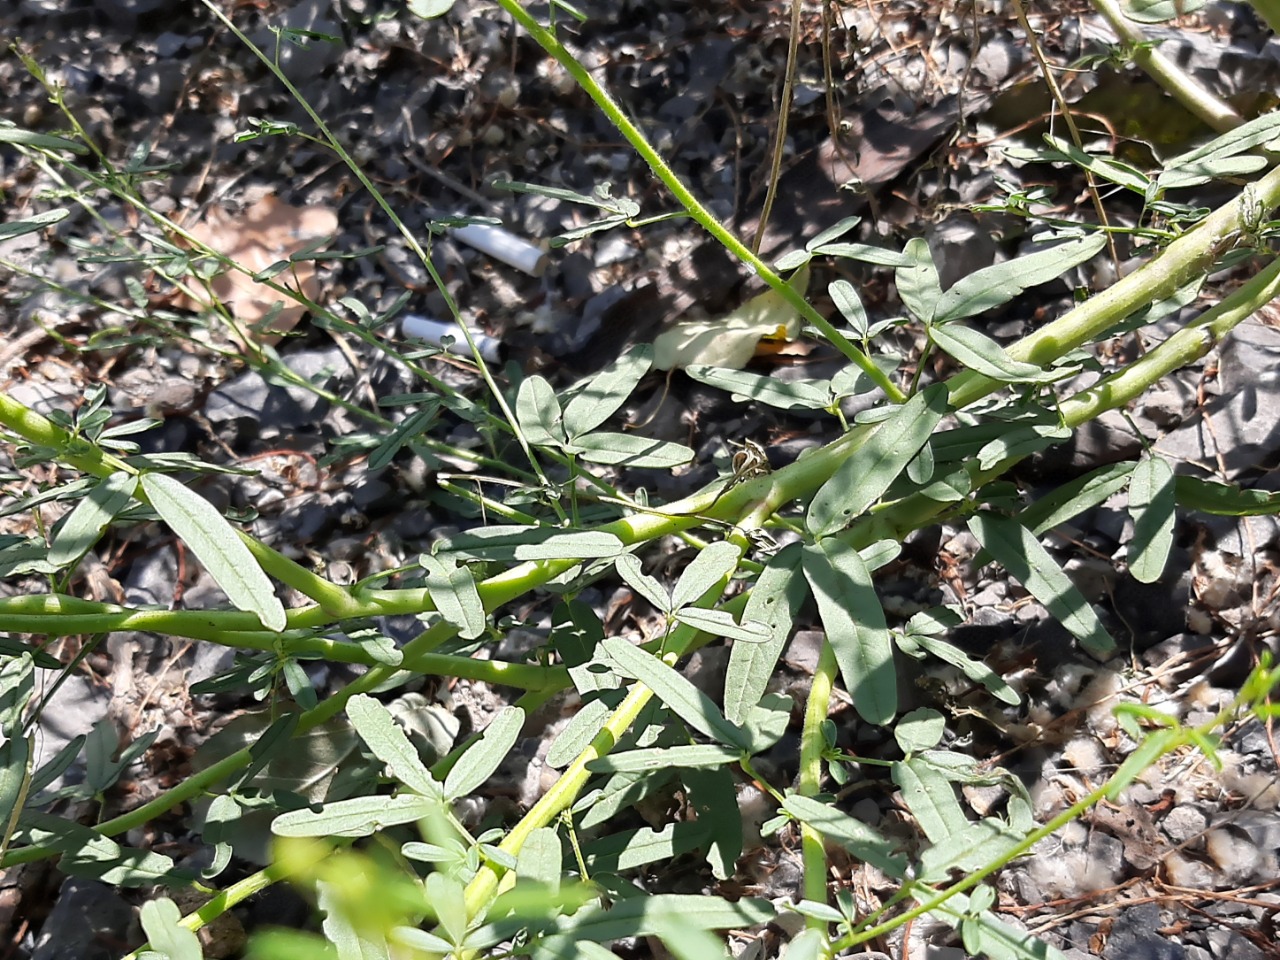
[812, 744]
[696, 210]
[1215, 112]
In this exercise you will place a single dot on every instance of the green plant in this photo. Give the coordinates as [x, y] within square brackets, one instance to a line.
[389, 860]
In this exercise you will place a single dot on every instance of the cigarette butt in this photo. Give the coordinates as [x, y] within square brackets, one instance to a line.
[433, 331]
[503, 245]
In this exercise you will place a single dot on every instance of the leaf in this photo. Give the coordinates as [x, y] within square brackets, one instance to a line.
[642, 916]
[540, 857]
[217, 545]
[980, 353]
[975, 670]
[87, 853]
[165, 934]
[628, 567]
[854, 835]
[15, 758]
[850, 305]
[1224, 499]
[1158, 11]
[865, 253]
[855, 627]
[683, 699]
[1219, 157]
[634, 848]
[967, 847]
[578, 733]
[1074, 497]
[721, 623]
[357, 817]
[918, 730]
[521, 543]
[862, 478]
[918, 285]
[340, 928]
[712, 795]
[1152, 500]
[808, 944]
[775, 602]
[709, 570]
[628, 449]
[996, 285]
[390, 745]
[482, 758]
[744, 386]
[32, 224]
[1018, 551]
[833, 232]
[538, 413]
[42, 141]
[1020, 441]
[930, 797]
[731, 341]
[987, 935]
[408, 429]
[658, 758]
[453, 591]
[603, 394]
[430, 9]
[1105, 167]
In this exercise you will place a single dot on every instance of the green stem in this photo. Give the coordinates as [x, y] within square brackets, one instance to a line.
[697, 211]
[1212, 110]
[812, 744]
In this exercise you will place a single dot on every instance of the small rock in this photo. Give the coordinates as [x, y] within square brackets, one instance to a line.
[1134, 937]
[1183, 823]
[86, 923]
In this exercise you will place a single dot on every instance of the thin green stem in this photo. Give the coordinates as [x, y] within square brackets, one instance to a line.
[697, 211]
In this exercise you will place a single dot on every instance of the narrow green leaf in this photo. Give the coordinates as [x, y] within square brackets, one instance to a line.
[833, 232]
[42, 141]
[390, 745]
[15, 759]
[1074, 497]
[713, 564]
[918, 285]
[987, 935]
[855, 626]
[864, 477]
[521, 543]
[850, 305]
[1224, 499]
[975, 670]
[32, 224]
[658, 758]
[980, 353]
[217, 545]
[1021, 440]
[538, 413]
[1105, 167]
[721, 623]
[483, 757]
[1019, 552]
[745, 385]
[775, 602]
[627, 449]
[854, 835]
[453, 590]
[628, 567]
[578, 733]
[996, 285]
[357, 817]
[1152, 501]
[683, 699]
[409, 428]
[634, 848]
[642, 916]
[967, 847]
[930, 797]
[164, 934]
[865, 253]
[608, 390]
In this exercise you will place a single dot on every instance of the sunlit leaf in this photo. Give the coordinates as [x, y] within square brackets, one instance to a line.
[601, 396]
[629, 449]
[482, 758]
[854, 835]
[918, 284]
[1019, 552]
[357, 817]
[710, 568]
[1152, 502]
[390, 745]
[164, 934]
[775, 602]
[217, 545]
[453, 591]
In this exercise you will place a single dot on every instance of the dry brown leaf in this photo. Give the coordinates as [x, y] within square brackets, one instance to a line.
[265, 233]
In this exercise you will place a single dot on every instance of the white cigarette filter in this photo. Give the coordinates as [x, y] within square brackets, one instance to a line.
[503, 245]
[433, 331]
